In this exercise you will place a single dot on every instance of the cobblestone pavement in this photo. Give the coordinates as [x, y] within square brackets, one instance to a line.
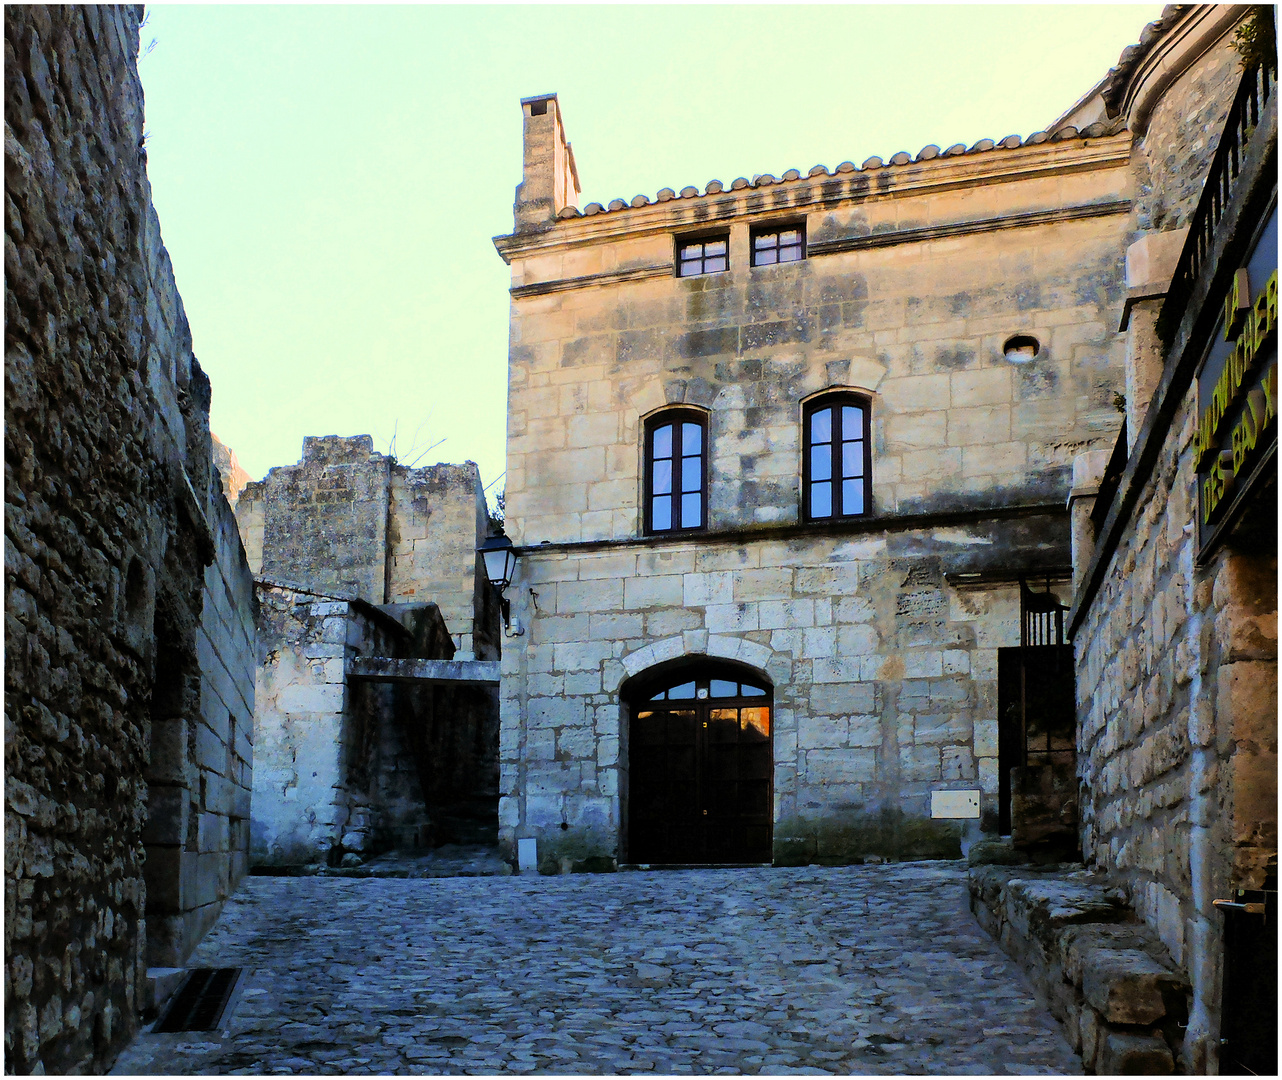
[871, 969]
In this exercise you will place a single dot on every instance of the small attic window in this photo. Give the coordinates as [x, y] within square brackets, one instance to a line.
[539, 108]
[1021, 349]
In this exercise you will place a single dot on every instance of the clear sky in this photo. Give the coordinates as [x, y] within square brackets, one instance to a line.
[329, 178]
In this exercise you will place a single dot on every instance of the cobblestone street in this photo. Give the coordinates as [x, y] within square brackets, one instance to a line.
[867, 969]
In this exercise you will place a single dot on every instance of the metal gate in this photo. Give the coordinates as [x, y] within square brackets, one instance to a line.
[1036, 699]
[700, 774]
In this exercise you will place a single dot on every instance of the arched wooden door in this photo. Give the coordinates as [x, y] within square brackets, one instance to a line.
[701, 768]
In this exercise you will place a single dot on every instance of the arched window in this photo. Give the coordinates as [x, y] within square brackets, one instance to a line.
[837, 466]
[676, 474]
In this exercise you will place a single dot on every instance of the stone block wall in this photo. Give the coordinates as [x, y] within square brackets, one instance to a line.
[885, 683]
[114, 626]
[354, 522]
[349, 767]
[438, 518]
[200, 772]
[1177, 693]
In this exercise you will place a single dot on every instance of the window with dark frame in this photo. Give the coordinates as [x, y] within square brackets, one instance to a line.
[837, 467]
[705, 255]
[676, 471]
[778, 245]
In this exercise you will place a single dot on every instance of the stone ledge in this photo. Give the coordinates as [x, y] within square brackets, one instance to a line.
[1122, 1000]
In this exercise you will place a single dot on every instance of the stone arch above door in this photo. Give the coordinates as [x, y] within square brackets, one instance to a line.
[695, 645]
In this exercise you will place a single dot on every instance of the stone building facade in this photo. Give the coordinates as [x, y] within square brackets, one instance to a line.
[967, 300]
[1175, 615]
[128, 602]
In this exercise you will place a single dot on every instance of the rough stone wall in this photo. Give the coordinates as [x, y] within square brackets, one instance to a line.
[1171, 159]
[112, 514]
[438, 519]
[1177, 706]
[884, 675]
[350, 767]
[325, 519]
[351, 521]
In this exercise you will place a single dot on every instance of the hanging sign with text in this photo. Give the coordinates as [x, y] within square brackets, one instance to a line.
[1237, 391]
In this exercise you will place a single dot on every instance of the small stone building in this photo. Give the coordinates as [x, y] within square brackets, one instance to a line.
[129, 606]
[377, 704]
[780, 453]
[1175, 616]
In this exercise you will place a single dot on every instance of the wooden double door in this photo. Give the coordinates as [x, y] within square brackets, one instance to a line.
[701, 766]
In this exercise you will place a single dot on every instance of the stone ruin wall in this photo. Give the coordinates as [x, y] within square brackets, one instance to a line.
[345, 767]
[350, 521]
[113, 514]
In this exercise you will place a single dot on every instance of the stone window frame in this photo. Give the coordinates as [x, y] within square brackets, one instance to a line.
[817, 403]
[776, 229]
[674, 416]
[685, 244]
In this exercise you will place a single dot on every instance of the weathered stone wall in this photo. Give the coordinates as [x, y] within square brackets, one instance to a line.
[351, 521]
[349, 767]
[884, 674]
[117, 637]
[438, 519]
[1171, 158]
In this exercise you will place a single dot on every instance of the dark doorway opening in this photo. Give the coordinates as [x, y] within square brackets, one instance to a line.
[1036, 711]
[701, 768]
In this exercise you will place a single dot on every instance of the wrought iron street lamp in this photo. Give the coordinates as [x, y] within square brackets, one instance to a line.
[499, 557]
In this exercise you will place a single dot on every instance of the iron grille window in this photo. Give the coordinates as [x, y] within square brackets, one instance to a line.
[837, 469]
[777, 245]
[676, 472]
[707, 255]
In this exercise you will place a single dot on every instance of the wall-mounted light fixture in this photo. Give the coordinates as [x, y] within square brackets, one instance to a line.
[499, 557]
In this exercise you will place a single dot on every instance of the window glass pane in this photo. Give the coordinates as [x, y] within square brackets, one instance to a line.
[714, 265]
[691, 252]
[790, 254]
[852, 497]
[714, 247]
[722, 688]
[661, 513]
[691, 473]
[752, 691]
[821, 500]
[766, 258]
[662, 478]
[691, 438]
[764, 241]
[691, 269]
[821, 426]
[691, 510]
[663, 441]
[757, 719]
[679, 693]
[660, 695]
[789, 236]
[852, 421]
[852, 459]
[821, 462]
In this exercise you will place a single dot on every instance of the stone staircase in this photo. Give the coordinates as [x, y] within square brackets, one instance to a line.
[1121, 998]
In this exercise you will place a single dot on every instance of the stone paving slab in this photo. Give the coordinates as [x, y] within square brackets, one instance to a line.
[867, 969]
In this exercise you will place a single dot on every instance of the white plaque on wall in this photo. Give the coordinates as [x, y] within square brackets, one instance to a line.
[954, 804]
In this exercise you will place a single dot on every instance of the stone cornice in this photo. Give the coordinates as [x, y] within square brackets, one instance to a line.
[817, 249]
[887, 523]
[822, 192]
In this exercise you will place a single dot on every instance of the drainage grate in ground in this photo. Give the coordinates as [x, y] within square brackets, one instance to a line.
[200, 1004]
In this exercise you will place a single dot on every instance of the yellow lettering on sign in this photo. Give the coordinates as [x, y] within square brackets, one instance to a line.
[1236, 303]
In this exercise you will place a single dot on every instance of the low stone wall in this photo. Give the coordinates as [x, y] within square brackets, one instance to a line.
[1110, 981]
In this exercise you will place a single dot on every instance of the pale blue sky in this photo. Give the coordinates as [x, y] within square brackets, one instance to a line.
[328, 179]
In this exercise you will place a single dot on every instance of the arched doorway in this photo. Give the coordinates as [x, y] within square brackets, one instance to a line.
[701, 765]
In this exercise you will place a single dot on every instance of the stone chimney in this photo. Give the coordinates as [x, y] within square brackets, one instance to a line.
[549, 180]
